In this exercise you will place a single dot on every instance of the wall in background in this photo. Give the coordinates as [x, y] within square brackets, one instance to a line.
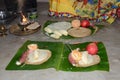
[42, 0]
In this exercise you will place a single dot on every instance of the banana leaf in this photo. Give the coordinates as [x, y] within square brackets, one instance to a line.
[93, 30]
[59, 58]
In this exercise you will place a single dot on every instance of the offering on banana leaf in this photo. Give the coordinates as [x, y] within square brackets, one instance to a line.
[34, 56]
[68, 30]
[85, 58]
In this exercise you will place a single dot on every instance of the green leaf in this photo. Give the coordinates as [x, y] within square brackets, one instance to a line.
[59, 58]
[70, 37]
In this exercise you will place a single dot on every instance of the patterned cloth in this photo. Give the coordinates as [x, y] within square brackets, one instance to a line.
[98, 10]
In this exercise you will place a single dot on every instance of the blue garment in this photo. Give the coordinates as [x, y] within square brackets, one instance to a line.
[92, 1]
[118, 0]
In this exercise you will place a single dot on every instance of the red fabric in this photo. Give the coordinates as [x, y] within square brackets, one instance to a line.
[84, 2]
[99, 5]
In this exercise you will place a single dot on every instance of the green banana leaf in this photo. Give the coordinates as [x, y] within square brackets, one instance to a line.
[59, 58]
[99, 26]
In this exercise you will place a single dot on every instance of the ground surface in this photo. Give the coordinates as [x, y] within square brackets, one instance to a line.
[110, 36]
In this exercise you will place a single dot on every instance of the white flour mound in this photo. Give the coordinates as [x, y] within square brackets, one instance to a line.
[60, 26]
[58, 29]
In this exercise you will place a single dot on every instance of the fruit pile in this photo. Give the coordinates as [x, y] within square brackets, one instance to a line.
[82, 23]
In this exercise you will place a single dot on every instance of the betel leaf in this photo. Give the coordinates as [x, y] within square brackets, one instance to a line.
[93, 30]
[59, 58]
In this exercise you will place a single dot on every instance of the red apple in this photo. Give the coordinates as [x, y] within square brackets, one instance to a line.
[92, 48]
[85, 23]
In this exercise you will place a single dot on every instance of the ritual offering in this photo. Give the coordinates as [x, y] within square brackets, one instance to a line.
[37, 55]
[56, 30]
[76, 23]
[69, 29]
[85, 23]
[79, 32]
[92, 48]
[85, 58]
[34, 56]
[24, 27]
